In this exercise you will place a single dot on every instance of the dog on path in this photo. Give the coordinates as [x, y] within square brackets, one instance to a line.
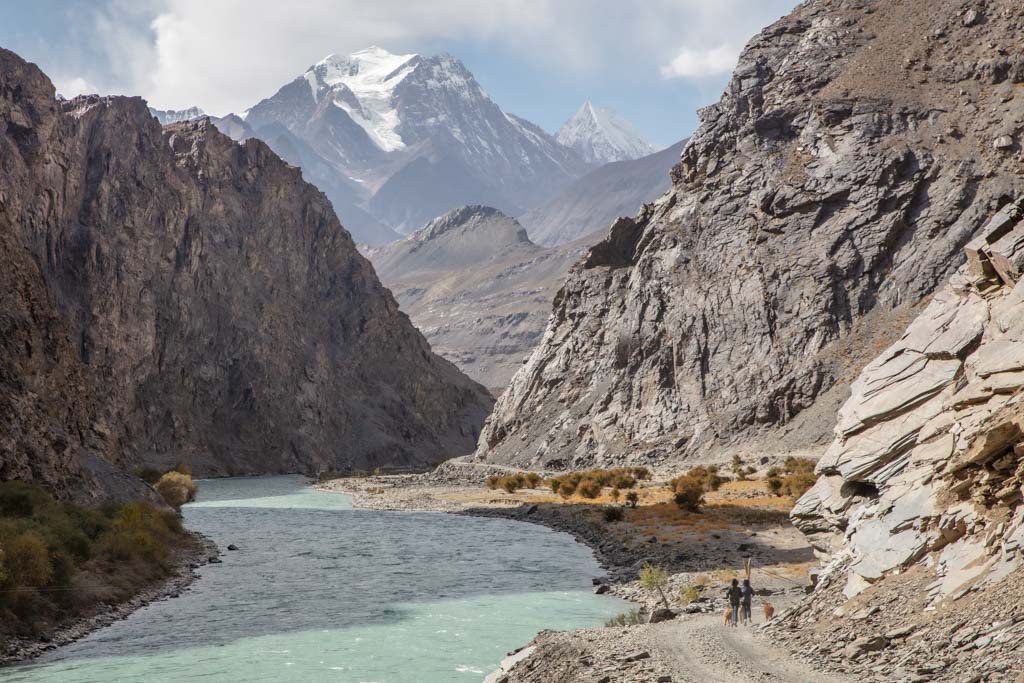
[769, 611]
[728, 616]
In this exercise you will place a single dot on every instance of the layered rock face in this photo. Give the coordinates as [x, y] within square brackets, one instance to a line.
[928, 458]
[216, 310]
[829, 191]
[477, 287]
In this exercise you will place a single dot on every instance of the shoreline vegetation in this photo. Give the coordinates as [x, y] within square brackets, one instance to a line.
[692, 532]
[68, 569]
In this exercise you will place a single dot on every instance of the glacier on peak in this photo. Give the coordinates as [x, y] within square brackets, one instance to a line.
[363, 85]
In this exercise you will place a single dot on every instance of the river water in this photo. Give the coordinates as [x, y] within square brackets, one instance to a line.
[318, 591]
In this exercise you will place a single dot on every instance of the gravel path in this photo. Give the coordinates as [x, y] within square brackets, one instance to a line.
[691, 649]
[703, 649]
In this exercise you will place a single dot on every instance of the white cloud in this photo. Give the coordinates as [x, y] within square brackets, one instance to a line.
[74, 86]
[690, 63]
[226, 55]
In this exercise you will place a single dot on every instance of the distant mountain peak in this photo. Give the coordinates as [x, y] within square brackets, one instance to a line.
[601, 135]
[470, 218]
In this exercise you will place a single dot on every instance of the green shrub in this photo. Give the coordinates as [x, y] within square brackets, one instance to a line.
[615, 495]
[176, 488]
[510, 484]
[566, 489]
[555, 483]
[27, 561]
[774, 485]
[492, 481]
[772, 472]
[631, 618]
[632, 498]
[19, 499]
[533, 480]
[612, 514]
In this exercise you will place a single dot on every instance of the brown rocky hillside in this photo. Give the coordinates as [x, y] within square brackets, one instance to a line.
[175, 296]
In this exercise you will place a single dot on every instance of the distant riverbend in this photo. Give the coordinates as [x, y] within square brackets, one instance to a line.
[319, 591]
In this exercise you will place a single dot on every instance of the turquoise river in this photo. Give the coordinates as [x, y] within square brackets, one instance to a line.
[318, 591]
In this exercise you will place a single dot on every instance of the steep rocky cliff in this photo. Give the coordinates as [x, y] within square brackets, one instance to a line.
[919, 502]
[826, 194]
[181, 297]
[477, 287]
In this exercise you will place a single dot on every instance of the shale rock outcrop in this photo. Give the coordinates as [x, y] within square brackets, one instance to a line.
[927, 464]
[823, 198]
[171, 295]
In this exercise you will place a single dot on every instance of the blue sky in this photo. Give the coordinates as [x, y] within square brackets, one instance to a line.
[655, 61]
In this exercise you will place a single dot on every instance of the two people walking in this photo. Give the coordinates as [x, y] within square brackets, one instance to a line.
[740, 600]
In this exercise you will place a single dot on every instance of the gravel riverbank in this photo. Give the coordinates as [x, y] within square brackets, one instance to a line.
[708, 550]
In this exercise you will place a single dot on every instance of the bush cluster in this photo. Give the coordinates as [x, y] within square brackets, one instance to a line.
[589, 483]
[176, 488]
[709, 477]
[513, 482]
[687, 492]
[795, 478]
[44, 543]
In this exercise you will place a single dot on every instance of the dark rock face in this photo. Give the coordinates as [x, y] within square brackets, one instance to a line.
[829, 190]
[215, 309]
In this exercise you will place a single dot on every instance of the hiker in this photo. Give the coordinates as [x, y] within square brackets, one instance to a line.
[735, 596]
[748, 597]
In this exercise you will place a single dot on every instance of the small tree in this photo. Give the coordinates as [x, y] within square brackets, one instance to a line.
[632, 498]
[615, 495]
[654, 579]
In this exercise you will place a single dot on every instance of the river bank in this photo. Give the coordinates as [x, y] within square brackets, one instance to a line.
[703, 551]
[187, 559]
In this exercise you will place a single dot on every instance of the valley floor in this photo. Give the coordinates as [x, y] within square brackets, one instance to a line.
[706, 549]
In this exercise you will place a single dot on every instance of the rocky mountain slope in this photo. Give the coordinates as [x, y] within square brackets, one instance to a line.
[601, 135]
[477, 287]
[826, 194]
[416, 136]
[920, 495]
[596, 199]
[199, 301]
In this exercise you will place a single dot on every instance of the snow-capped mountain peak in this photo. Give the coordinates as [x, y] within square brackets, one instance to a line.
[602, 135]
[363, 85]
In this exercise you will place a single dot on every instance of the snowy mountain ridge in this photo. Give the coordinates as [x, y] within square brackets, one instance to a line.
[415, 136]
[601, 135]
